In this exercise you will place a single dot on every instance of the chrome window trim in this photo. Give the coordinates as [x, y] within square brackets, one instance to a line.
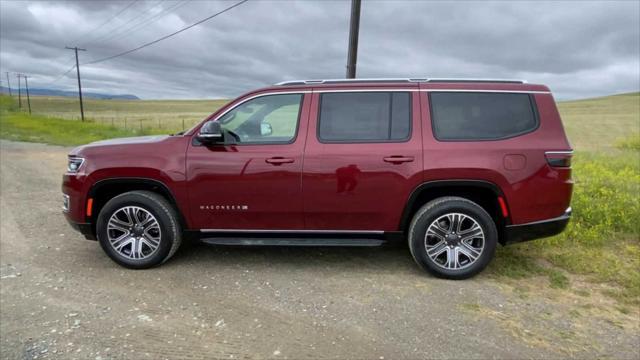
[294, 231]
[370, 90]
[488, 91]
[320, 91]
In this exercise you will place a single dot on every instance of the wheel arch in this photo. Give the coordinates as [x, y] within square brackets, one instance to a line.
[104, 190]
[482, 192]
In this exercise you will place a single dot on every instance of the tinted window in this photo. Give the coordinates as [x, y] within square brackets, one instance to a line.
[481, 116]
[365, 116]
[265, 119]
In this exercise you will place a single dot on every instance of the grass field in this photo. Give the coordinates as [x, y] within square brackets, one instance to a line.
[601, 246]
[20, 126]
[168, 115]
[597, 124]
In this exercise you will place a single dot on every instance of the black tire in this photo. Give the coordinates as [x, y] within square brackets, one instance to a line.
[164, 213]
[434, 210]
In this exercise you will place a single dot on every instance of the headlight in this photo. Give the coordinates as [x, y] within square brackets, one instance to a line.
[74, 164]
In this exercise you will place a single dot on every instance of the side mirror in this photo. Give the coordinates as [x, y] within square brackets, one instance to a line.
[265, 129]
[210, 132]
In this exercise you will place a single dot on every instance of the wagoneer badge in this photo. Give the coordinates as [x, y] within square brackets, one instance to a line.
[224, 207]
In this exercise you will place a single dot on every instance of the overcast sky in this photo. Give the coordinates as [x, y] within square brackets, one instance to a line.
[579, 49]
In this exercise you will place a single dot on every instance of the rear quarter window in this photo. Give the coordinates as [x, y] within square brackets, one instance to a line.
[468, 116]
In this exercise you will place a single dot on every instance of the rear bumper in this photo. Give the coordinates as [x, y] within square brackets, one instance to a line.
[536, 230]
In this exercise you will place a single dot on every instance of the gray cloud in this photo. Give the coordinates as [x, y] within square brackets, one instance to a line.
[579, 49]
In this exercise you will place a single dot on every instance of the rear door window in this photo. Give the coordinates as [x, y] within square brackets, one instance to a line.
[481, 116]
[364, 117]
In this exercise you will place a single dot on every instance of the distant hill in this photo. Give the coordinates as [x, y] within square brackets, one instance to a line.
[52, 92]
[598, 123]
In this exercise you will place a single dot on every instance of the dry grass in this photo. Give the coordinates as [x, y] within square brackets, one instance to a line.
[596, 124]
[169, 115]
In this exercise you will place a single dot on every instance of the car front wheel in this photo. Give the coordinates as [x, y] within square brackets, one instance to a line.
[138, 229]
[452, 237]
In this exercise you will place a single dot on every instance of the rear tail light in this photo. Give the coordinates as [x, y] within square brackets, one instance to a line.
[560, 159]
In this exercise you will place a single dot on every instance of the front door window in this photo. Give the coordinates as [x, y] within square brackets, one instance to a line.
[270, 119]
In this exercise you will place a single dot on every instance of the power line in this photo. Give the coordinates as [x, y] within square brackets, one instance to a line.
[61, 76]
[123, 28]
[167, 36]
[106, 22]
[120, 34]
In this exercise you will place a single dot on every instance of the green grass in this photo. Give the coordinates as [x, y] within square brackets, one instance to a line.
[167, 115]
[630, 143]
[20, 126]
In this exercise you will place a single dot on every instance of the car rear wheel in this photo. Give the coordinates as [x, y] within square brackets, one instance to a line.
[452, 237]
[138, 229]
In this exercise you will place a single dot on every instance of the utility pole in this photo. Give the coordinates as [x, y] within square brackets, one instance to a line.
[354, 29]
[8, 83]
[26, 84]
[19, 93]
[75, 48]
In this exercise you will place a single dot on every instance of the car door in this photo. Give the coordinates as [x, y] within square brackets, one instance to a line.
[252, 180]
[363, 158]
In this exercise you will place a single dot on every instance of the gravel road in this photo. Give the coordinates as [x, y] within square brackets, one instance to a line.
[61, 297]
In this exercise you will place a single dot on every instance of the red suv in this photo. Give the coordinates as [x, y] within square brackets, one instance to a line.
[452, 166]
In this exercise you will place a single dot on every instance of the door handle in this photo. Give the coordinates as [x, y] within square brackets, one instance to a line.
[279, 160]
[398, 159]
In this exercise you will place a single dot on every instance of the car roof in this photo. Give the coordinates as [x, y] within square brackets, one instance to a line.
[409, 83]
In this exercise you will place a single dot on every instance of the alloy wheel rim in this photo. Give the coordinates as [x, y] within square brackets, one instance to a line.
[134, 232]
[454, 241]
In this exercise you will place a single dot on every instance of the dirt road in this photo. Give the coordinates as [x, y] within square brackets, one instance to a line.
[61, 297]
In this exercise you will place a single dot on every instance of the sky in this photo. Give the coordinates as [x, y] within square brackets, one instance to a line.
[578, 49]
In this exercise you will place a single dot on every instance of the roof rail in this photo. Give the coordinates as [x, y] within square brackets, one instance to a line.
[395, 80]
[478, 80]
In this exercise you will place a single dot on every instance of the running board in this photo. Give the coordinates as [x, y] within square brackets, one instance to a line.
[291, 241]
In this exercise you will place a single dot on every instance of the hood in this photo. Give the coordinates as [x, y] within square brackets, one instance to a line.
[130, 140]
[137, 140]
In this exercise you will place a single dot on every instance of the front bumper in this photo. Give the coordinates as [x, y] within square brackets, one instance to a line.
[84, 228]
[74, 200]
[536, 230]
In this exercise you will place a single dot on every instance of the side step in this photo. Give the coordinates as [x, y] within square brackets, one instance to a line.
[237, 241]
